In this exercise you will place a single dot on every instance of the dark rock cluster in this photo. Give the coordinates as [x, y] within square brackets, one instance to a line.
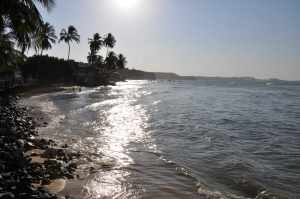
[18, 172]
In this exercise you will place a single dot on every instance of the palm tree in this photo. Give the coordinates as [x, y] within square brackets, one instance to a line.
[6, 50]
[96, 42]
[109, 41]
[121, 62]
[95, 45]
[45, 37]
[91, 58]
[111, 60]
[20, 19]
[18, 12]
[99, 60]
[68, 36]
[24, 42]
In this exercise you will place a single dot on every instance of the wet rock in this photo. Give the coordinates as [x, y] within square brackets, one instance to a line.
[18, 146]
[72, 167]
[207, 194]
[249, 187]
[21, 143]
[29, 146]
[56, 186]
[37, 159]
[54, 153]
[41, 143]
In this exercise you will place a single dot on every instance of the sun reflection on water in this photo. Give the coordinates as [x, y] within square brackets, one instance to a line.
[125, 123]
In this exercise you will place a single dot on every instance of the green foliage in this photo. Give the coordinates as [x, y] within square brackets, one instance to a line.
[69, 35]
[19, 21]
[22, 18]
[111, 60]
[121, 62]
[91, 58]
[9, 57]
[45, 37]
[45, 68]
[95, 45]
[109, 41]
[21, 26]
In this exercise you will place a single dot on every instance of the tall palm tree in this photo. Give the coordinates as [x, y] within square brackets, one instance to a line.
[68, 36]
[109, 42]
[111, 60]
[45, 37]
[121, 62]
[95, 45]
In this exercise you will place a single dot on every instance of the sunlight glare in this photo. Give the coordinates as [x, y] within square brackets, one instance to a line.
[127, 5]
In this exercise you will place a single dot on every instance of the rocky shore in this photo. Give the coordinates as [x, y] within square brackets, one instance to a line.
[30, 167]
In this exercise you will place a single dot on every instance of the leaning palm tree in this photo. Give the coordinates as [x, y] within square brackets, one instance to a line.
[109, 42]
[45, 37]
[68, 36]
[121, 62]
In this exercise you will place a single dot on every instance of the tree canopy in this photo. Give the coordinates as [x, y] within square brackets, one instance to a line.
[45, 37]
[68, 35]
[19, 21]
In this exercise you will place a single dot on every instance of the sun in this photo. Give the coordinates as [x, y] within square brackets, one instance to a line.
[127, 4]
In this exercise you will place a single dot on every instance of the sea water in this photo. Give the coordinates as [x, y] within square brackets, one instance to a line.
[179, 139]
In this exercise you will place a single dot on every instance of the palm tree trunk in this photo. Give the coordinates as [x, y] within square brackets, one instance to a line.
[106, 52]
[41, 52]
[69, 51]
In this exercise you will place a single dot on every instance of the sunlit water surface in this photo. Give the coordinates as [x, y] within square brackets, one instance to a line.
[181, 139]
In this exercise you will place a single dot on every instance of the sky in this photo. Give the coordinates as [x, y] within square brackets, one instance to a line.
[257, 38]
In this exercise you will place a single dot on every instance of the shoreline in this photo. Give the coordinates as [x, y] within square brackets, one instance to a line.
[41, 89]
[39, 118]
[42, 167]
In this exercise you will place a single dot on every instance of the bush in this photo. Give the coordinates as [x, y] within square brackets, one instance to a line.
[49, 69]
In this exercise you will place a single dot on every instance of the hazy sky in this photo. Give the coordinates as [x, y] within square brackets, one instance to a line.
[259, 38]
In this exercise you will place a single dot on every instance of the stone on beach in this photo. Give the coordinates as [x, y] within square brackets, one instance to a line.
[24, 172]
[56, 186]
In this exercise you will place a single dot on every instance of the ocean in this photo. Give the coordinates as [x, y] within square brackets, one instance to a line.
[179, 139]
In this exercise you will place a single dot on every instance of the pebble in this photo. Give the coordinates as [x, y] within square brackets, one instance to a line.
[22, 165]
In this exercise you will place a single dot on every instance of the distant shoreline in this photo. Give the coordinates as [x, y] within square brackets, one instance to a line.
[133, 74]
